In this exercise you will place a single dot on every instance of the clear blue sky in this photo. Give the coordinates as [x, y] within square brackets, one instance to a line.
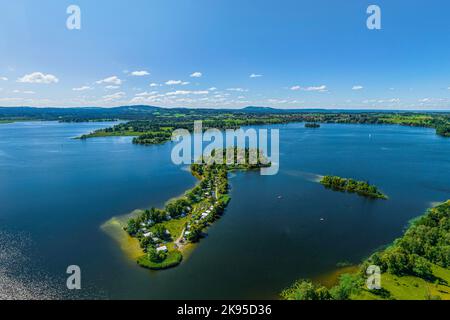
[301, 54]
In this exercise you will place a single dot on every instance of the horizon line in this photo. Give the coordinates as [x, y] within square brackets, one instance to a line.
[237, 108]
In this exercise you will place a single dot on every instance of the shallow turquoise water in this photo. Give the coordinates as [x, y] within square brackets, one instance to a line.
[55, 192]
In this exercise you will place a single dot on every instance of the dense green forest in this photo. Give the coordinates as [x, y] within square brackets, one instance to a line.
[155, 123]
[352, 186]
[159, 129]
[415, 266]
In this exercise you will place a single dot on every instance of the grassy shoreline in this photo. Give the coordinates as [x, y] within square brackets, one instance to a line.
[160, 238]
[159, 128]
[130, 246]
[414, 267]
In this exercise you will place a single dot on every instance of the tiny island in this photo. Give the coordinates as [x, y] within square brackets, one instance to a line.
[163, 234]
[361, 188]
[312, 125]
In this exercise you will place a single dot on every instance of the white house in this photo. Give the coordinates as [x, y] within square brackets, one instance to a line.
[163, 249]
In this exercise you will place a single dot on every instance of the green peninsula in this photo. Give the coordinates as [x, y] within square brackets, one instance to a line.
[164, 234]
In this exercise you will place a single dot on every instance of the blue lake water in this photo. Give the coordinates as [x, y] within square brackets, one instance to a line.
[56, 191]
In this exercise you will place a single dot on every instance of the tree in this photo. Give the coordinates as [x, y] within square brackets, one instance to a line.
[159, 231]
[194, 234]
[396, 261]
[422, 268]
[306, 290]
[132, 227]
[348, 285]
[155, 256]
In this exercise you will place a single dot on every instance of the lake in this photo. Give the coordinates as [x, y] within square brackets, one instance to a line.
[56, 192]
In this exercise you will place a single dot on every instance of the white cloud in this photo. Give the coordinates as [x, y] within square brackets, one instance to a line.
[321, 88]
[11, 99]
[253, 75]
[214, 89]
[112, 87]
[381, 101]
[4, 78]
[278, 101]
[186, 92]
[110, 80]
[38, 77]
[196, 75]
[114, 96]
[357, 87]
[83, 88]
[146, 94]
[141, 73]
[176, 82]
[237, 89]
[25, 92]
[136, 100]
[155, 85]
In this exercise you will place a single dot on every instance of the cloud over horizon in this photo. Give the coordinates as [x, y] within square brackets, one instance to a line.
[38, 78]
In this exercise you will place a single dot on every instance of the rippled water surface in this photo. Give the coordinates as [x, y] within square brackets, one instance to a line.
[55, 192]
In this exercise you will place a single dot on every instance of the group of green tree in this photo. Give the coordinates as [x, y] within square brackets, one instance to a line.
[156, 126]
[214, 180]
[443, 130]
[211, 193]
[352, 186]
[426, 242]
[306, 290]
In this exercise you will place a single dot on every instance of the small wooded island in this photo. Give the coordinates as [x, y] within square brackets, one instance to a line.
[361, 188]
[312, 125]
[163, 234]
